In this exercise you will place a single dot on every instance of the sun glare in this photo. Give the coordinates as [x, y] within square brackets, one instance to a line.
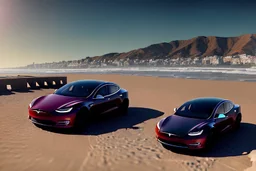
[5, 14]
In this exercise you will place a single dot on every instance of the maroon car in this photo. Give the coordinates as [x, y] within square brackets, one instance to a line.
[75, 103]
[196, 123]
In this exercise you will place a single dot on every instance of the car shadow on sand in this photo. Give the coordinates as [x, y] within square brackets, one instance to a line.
[233, 143]
[10, 92]
[114, 121]
[6, 92]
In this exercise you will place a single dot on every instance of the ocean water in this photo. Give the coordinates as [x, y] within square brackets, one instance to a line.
[205, 73]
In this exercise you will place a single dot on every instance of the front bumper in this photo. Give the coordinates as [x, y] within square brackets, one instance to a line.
[192, 143]
[49, 120]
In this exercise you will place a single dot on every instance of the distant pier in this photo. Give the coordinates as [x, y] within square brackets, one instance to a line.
[23, 83]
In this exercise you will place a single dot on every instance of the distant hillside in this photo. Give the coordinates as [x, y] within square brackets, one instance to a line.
[200, 46]
[179, 52]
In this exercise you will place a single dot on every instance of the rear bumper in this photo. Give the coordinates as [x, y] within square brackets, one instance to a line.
[47, 120]
[191, 143]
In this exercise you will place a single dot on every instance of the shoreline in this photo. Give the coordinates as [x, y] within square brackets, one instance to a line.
[160, 66]
[156, 74]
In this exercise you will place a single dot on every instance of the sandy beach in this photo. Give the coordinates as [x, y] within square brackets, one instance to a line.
[127, 142]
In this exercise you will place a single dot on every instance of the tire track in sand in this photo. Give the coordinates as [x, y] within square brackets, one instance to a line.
[137, 148]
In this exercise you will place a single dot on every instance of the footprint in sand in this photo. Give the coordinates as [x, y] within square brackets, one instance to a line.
[120, 147]
[199, 164]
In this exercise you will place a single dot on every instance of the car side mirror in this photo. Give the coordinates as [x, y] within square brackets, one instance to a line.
[99, 97]
[221, 116]
[175, 109]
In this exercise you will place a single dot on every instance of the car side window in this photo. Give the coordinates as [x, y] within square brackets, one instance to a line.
[228, 106]
[221, 109]
[185, 107]
[112, 89]
[102, 91]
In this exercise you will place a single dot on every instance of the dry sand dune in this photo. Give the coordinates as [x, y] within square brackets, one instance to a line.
[126, 142]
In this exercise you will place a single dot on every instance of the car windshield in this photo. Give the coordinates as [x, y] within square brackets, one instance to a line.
[76, 90]
[195, 110]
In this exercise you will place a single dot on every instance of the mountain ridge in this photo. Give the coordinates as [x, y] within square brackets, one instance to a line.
[200, 46]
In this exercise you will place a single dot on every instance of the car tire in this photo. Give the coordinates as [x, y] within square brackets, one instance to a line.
[124, 107]
[81, 120]
[238, 121]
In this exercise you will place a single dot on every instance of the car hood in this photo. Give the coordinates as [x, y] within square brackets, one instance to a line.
[181, 126]
[53, 101]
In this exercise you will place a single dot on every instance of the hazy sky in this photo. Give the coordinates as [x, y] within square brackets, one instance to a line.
[54, 30]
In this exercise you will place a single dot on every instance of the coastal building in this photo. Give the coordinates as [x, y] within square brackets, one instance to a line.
[253, 59]
[245, 59]
[196, 61]
[235, 61]
[227, 59]
[214, 60]
[206, 61]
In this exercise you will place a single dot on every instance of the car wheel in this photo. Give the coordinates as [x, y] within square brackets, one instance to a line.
[238, 121]
[124, 107]
[81, 121]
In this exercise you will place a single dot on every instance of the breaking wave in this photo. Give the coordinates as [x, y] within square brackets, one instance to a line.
[247, 71]
[206, 73]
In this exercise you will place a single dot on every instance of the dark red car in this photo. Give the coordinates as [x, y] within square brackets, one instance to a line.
[77, 102]
[196, 123]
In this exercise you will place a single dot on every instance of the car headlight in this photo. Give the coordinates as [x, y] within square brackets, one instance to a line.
[32, 103]
[196, 133]
[64, 110]
[158, 125]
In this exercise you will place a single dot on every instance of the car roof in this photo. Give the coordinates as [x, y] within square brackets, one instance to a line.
[90, 81]
[93, 83]
[207, 100]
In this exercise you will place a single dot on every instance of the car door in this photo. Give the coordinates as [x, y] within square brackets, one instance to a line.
[114, 99]
[221, 123]
[230, 113]
[100, 105]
